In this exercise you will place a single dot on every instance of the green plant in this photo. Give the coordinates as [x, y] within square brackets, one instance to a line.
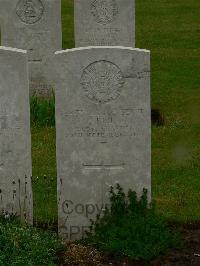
[23, 245]
[42, 111]
[131, 228]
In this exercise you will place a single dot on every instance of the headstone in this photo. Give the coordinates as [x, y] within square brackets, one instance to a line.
[103, 130]
[34, 25]
[15, 137]
[104, 23]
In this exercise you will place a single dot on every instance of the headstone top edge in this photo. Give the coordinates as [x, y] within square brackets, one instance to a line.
[101, 47]
[13, 49]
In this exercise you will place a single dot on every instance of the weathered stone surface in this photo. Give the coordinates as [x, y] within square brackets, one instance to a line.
[104, 23]
[15, 137]
[34, 25]
[103, 130]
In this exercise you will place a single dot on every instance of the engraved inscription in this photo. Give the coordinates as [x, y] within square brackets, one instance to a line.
[41, 84]
[107, 36]
[102, 81]
[102, 127]
[30, 11]
[36, 47]
[9, 122]
[104, 11]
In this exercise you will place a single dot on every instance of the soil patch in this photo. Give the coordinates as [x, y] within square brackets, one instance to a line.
[189, 255]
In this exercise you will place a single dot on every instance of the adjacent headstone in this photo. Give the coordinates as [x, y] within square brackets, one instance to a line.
[15, 137]
[103, 130]
[34, 25]
[104, 23]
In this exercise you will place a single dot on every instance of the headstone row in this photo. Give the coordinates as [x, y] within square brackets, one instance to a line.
[35, 26]
[102, 107]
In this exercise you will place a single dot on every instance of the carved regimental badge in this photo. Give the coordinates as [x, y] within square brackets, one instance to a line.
[102, 81]
[30, 11]
[104, 11]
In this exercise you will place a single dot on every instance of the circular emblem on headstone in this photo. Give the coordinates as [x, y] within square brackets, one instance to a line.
[102, 81]
[30, 11]
[104, 11]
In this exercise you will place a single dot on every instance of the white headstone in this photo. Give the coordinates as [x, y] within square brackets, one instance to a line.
[103, 130]
[104, 23]
[15, 137]
[34, 25]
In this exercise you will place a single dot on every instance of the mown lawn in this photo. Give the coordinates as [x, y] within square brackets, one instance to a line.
[170, 29]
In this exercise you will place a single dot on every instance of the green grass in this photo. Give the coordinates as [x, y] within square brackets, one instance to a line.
[21, 245]
[42, 111]
[44, 174]
[68, 23]
[170, 29]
